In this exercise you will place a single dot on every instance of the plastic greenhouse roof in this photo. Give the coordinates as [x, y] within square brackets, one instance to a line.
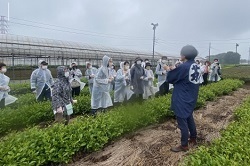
[33, 41]
[43, 42]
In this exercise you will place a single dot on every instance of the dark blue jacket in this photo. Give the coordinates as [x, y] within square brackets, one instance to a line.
[186, 87]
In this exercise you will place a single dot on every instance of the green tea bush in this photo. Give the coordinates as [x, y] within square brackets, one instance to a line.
[25, 99]
[18, 115]
[26, 111]
[83, 104]
[58, 143]
[19, 89]
[85, 91]
[241, 72]
[24, 116]
[232, 148]
[211, 91]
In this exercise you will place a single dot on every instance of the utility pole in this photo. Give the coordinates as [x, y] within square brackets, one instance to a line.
[249, 56]
[237, 45]
[209, 52]
[154, 27]
[3, 25]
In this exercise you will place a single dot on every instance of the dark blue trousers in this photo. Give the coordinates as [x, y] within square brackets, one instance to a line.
[188, 129]
[2, 103]
[46, 94]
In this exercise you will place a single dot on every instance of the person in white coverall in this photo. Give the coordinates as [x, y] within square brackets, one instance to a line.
[74, 79]
[100, 98]
[162, 75]
[122, 84]
[90, 75]
[148, 82]
[41, 81]
[112, 73]
[4, 85]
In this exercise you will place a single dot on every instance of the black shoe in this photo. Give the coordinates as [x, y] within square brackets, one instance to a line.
[179, 149]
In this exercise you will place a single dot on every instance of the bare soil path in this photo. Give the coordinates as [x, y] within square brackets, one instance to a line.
[151, 146]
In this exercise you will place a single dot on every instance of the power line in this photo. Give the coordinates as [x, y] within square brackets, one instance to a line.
[206, 40]
[85, 31]
[114, 36]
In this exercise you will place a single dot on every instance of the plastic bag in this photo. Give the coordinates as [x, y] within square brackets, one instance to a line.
[9, 100]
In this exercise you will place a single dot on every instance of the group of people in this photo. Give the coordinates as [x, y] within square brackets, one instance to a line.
[60, 92]
[209, 72]
[131, 82]
[42, 81]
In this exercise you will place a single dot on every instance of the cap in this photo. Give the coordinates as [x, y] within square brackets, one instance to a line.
[44, 63]
[138, 59]
[148, 64]
[74, 63]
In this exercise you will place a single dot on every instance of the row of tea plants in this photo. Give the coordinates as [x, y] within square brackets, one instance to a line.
[59, 143]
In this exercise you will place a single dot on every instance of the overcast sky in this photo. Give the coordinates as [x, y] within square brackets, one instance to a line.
[127, 23]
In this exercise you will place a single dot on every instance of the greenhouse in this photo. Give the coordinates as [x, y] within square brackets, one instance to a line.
[23, 50]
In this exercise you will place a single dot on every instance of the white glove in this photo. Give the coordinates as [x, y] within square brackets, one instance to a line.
[74, 101]
[92, 75]
[131, 87]
[141, 77]
[164, 72]
[59, 110]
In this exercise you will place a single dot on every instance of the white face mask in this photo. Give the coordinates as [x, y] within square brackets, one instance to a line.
[110, 64]
[126, 67]
[90, 67]
[148, 68]
[44, 67]
[164, 61]
[138, 62]
[66, 74]
[3, 70]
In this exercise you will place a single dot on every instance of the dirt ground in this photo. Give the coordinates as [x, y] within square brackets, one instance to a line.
[151, 146]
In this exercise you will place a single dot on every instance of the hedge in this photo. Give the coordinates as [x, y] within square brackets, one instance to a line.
[232, 148]
[241, 72]
[59, 143]
[19, 89]
[27, 112]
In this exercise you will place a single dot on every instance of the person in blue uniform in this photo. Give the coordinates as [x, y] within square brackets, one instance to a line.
[185, 79]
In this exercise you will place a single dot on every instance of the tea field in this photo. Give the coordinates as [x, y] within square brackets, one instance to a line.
[29, 136]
